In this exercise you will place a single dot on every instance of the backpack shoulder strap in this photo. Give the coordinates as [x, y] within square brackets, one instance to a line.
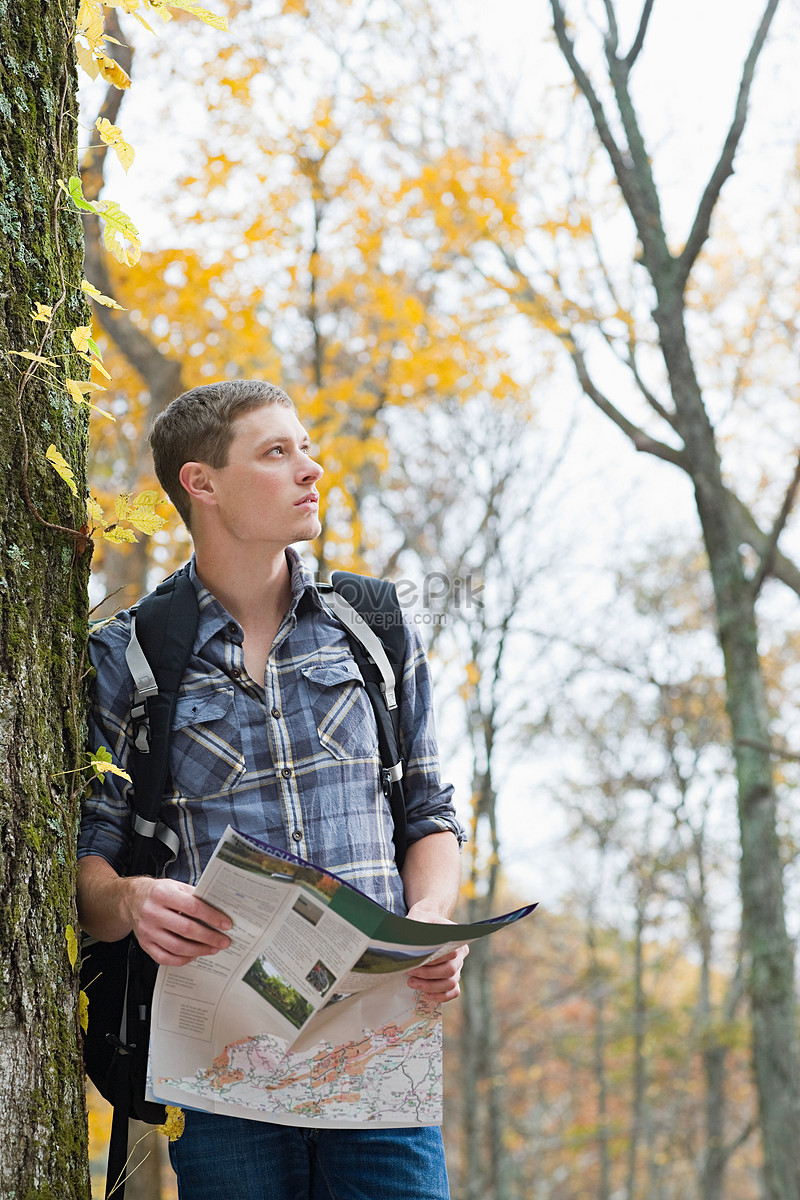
[163, 631]
[372, 619]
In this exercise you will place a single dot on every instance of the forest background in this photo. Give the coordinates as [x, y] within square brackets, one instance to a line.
[484, 293]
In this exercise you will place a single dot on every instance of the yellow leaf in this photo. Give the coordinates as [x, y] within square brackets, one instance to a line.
[98, 366]
[101, 412]
[147, 499]
[81, 337]
[101, 767]
[83, 1010]
[130, 6]
[174, 1124]
[72, 946]
[203, 14]
[61, 467]
[122, 507]
[118, 229]
[77, 388]
[90, 22]
[95, 511]
[48, 362]
[112, 136]
[83, 386]
[160, 7]
[145, 520]
[113, 73]
[43, 313]
[86, 60]
[95, 294]
[118, 533]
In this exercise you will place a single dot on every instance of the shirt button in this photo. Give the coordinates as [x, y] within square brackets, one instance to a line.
[286, 772]
[276, 712]
[297, 835]
[233, 627]
[235, 673]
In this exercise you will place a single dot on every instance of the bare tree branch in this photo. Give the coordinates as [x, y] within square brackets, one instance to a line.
[749, 532]
[631, 165]
[642, 441]
[768, 555]
[638, 41]
[780, 752]
[161, 374]
[724, 166]
[567, 48]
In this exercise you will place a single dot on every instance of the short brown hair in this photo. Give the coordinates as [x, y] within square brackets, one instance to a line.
[198, 427]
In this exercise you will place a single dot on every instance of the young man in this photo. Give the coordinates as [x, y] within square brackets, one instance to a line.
[273, 734]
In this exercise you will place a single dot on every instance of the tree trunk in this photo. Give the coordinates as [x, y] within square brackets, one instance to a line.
[42, 612]
[768, 950]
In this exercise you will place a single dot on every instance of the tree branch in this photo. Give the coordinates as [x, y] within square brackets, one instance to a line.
[724, 166]
[631, 166]
[638, 41]
[751, 534]
[765, 566]
[780, 752]
[161, 374]
[567, 48]
[642, 441]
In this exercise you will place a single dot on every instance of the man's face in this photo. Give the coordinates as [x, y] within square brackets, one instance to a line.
[266, 493]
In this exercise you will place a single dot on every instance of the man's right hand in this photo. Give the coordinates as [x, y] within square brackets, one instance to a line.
[171, 924]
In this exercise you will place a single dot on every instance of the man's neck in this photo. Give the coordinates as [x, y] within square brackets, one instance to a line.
[256, 589]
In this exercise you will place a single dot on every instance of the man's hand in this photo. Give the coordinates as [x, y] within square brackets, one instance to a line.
[171, 924]
[438, 979]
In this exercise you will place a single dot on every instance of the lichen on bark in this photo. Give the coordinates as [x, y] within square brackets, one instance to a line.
[42, 614]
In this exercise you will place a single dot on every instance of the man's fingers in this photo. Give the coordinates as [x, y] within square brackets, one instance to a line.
[174, 926]
[439, 979]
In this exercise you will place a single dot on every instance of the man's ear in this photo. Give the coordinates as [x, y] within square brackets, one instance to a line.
[197, 482]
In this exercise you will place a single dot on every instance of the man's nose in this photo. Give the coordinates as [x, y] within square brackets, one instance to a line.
[313, 470]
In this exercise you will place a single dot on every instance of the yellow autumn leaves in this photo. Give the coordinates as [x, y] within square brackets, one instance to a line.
[129, 515]
[139, 512]
[91, 37]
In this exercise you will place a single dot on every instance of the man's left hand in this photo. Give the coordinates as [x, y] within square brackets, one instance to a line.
[438, 979]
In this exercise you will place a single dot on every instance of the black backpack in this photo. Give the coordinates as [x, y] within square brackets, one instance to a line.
[119, 977]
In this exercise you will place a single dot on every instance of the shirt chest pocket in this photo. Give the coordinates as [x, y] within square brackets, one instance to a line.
[342, 711]
[206, 743]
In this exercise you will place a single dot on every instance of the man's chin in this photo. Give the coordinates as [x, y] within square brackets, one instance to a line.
[311, 530]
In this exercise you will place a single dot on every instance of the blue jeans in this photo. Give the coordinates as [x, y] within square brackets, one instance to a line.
[229, 1158]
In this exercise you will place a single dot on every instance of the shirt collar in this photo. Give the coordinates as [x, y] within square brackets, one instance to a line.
[214, 617]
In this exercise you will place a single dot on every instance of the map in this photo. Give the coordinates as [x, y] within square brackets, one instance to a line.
[390, 1073]
[307, 1016]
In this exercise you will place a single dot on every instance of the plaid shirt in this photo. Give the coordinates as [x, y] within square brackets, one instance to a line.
[293, 761]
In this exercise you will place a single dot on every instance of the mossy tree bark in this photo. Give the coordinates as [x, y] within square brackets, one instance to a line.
[42, 610]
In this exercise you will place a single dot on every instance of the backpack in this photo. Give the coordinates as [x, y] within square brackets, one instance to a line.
[119, 977]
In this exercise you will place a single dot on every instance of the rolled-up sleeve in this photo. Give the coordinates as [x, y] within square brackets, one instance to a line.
[106, 816]
[429, 802]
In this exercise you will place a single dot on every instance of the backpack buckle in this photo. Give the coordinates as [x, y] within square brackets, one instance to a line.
[141, 727]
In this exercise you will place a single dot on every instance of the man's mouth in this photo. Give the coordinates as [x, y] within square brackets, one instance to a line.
[311, 498]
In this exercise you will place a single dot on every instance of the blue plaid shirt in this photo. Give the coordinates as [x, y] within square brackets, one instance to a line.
[293, 760]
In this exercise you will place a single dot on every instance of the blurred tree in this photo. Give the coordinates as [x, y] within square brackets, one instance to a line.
[459, 524]
[304, 281]
[630, 337]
